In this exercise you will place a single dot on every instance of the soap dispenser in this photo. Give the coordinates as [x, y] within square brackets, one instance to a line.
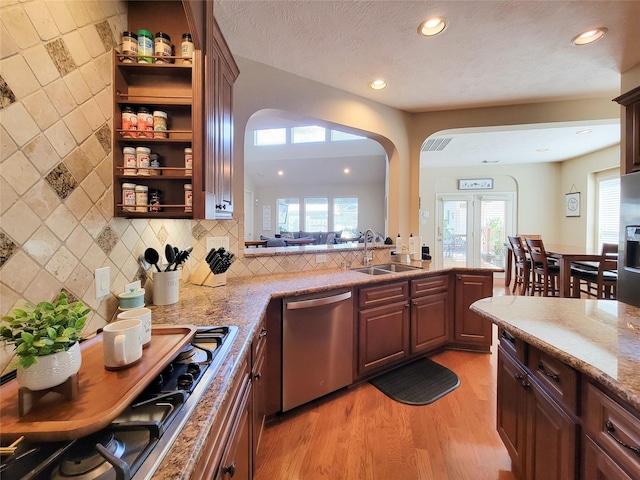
[399, 244]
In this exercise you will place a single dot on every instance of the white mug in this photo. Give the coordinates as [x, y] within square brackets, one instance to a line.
[144, 315]
[122, 341]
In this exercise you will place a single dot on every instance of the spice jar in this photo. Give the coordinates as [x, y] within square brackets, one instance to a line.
[145, 122]
[143, 160]
[145, 46]
[187, 49]
[154, 201]
[160, 124]
[129, 122]
[128, 197]
[129, 161]
[129, 47]
[162, 47]
[188, 198]
[142, 198]
[154, 163]
[188, 161]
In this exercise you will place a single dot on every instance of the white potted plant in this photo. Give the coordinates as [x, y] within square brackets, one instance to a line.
[46, 338]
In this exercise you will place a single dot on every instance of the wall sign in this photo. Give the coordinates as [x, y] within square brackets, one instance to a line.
[475, 184]
[572, 204]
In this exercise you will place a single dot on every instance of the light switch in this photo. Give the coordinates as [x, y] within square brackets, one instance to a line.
[103, 281]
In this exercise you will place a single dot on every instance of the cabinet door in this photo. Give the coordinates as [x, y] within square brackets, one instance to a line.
[237, 457]
[598, 465]
[429, 322]
[469, 326]
[259, 388]
[512, 413]
[551, 446]
[631, 130]
[383, 336]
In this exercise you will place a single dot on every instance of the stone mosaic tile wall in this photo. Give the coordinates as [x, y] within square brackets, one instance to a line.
[56, 200]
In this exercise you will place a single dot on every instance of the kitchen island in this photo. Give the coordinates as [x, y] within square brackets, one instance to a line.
[243, 302]
[568, 385]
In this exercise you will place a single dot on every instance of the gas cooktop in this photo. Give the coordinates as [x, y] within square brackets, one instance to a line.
[133, 445]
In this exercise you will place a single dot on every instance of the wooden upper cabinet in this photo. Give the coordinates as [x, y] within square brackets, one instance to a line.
[631, 130]
[220, 73]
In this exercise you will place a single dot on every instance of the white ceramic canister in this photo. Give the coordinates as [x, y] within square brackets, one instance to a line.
[129, 161]
[142, 198]
[129, 197]
[142, 160]
[188, 161]
[188, 197]
[159, 124]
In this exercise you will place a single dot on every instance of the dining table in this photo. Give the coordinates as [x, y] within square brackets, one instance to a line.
[564, 255]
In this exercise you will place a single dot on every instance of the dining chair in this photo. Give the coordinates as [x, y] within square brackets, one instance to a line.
[522, 267]
[545, 276]
[598, 279]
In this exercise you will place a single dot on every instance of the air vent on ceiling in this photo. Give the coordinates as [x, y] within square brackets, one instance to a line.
[435, 144]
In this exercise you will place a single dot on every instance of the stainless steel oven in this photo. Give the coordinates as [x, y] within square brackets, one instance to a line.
[133, 445]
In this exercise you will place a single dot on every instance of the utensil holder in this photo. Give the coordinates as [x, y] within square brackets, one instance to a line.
[166, 287]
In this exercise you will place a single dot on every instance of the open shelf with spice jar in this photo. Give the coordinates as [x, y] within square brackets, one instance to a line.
[158, 97]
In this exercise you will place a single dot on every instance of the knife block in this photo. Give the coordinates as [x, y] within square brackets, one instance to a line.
[205, 277]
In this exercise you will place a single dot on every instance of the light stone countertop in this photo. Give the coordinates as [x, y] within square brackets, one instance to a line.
[600, 338]
[242, 302]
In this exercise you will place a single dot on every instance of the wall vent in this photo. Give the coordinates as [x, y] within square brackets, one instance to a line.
[435, 144]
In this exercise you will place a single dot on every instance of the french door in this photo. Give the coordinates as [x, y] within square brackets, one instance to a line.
[472, 229]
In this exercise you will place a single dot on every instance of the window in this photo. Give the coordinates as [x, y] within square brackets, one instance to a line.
[270, 136]
[288, 214]
[316, 214]
[608, 198]
[337, 136]
[345, 216]
[307, 134]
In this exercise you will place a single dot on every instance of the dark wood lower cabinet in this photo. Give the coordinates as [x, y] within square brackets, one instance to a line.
[470, 329]
[539, 434]
[600, 466]
[429, 322]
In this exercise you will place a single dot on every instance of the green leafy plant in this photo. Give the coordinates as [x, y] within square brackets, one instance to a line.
[44, 329]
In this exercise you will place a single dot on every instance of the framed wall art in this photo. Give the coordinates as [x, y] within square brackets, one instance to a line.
[572, 204]
[475, 184]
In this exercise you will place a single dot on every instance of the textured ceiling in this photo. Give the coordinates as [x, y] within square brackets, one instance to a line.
[492, 53]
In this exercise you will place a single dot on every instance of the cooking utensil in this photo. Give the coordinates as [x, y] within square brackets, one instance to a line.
[170, 255]
[152, 256]
[182, 257]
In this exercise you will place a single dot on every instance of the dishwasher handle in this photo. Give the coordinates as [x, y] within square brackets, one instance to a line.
[316, 302]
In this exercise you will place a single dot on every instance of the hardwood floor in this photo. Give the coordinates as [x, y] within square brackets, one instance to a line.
[359, 433]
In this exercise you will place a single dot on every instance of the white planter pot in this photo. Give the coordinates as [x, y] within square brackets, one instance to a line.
[51, 370]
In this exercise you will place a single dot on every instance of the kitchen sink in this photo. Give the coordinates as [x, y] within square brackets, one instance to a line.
[385, 269]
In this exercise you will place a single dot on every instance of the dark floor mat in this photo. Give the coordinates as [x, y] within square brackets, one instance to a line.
[418, 383]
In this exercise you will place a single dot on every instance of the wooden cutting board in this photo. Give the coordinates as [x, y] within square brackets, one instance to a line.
[102, 394]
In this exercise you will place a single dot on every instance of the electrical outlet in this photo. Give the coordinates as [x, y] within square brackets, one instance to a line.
[217, 242]
[103, 281]
[321, 258]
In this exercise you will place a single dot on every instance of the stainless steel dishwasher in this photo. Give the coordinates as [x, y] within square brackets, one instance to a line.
[317, 346]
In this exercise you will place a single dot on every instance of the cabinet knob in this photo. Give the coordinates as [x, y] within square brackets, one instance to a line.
[231, 469]
[263, 333]
[258, 376]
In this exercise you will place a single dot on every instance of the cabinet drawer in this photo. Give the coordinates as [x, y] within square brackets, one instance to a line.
[383, 294]
[560, 380]
[614, 428]
[600, 466]
[429, 285]
[516, 347]
[259, 343]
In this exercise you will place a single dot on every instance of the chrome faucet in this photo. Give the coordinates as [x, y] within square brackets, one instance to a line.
[367, 259]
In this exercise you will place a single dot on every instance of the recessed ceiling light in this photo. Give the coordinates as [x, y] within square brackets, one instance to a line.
[542, 149]
[346, 170]
[280, 172]
[378, 84]
[432, 26]
[583, 132]
[589, 36]
[490, 161]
